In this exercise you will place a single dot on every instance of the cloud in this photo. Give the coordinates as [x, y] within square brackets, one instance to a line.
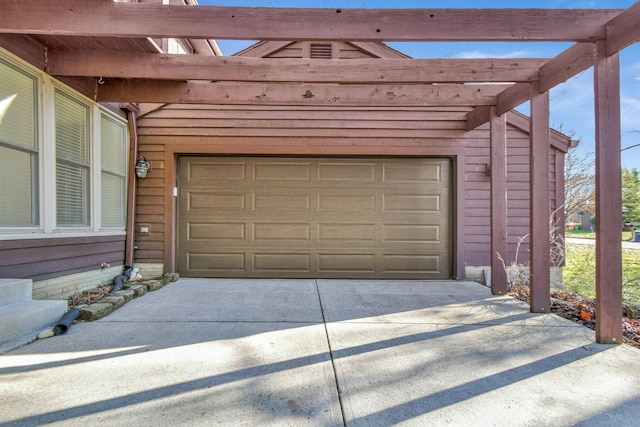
[477, 54]
[629, 112]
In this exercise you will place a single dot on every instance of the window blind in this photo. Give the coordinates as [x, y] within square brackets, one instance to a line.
[18, 147]
[72, 161]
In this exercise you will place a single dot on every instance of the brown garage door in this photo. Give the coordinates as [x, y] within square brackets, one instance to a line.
[314, 217]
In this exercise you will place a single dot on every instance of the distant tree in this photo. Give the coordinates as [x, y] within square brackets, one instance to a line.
[579, 182]
[631, 194]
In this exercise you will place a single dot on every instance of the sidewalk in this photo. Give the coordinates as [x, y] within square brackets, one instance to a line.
[203, 352]
[626, 244]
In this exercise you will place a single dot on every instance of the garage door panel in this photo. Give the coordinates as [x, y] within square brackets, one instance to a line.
[281, 231]
[284, 262]
[215, 200]
[279, 202]
[346, 172]
[346, 263]
[282, 171]
[216, 262]
[206, 171]
[395, 172]
[346, 232]
[216, 231]
[410, 232]
[346, 202]
[412, 203]
[325, 218]
[412, 263]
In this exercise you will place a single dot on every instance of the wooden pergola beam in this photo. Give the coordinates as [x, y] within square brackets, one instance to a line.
[499, 246]
[559, 69]
[539, 208]
[567, 64]
[608, 198]
[623, 30]
[101, 63]
[134, 90]
[93, 18]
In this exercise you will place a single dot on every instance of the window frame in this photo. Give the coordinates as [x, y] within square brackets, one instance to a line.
[34, 152]
[46, 160]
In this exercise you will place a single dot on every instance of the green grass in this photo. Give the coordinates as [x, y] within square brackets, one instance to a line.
[580, 271]
[587, 234]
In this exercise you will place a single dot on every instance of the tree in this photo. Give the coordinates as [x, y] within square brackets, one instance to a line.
[631, 195]
[579, 183]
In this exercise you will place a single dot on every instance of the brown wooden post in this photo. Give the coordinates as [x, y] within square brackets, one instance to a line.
[608, 198]
[539, 150]
[498, 201]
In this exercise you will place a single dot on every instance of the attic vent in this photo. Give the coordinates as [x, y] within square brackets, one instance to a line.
[320, 50]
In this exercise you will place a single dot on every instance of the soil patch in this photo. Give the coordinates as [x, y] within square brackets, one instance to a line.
[582, 310]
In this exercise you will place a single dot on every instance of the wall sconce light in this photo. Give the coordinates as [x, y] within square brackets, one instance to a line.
[142, 167]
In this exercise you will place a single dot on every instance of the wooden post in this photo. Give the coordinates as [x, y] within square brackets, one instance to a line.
[608, 198]
[498, 201]
[540, 286]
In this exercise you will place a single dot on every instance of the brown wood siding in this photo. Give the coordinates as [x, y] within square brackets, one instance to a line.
[337, 131]
[339, 50]
[41, 259]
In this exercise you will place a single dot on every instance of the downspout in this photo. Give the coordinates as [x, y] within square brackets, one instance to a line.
[131, 110]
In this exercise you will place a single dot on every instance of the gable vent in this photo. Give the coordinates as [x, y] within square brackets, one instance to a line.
[320, 50]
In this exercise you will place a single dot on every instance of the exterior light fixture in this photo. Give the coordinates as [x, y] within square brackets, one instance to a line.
[142, 167]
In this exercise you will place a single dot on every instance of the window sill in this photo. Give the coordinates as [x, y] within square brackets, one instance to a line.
[39, 234]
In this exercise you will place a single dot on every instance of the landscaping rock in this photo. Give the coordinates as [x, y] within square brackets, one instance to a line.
[115, 300]
[154, 285]
[137, 289]
[173, 277]
[127, 294]
[95, 311]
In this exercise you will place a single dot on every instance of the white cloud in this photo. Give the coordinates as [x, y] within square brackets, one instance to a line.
[473, 54]
[630, 112]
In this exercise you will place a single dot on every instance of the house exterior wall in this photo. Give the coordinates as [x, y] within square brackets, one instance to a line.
[60, 267]
[326, 131]
[63, 258]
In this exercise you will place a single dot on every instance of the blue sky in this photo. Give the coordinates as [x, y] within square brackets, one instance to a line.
[572, 107]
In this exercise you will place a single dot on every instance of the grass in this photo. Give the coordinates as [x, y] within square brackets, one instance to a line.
[588, 234]
[580, 271]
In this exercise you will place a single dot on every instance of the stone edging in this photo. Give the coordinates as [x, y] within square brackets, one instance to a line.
[131, 290]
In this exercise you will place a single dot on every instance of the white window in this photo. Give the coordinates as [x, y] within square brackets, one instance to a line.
[113, 157]
[73, 131]
[18, 147]
[63, 158]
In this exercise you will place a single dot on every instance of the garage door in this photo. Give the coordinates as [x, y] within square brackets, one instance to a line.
[314, 217]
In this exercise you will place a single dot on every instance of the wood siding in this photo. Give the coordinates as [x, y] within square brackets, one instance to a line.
[326, 50]
[41, 259]
[338, 131]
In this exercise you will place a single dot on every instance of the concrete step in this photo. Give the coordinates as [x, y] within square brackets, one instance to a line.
[13, 291]
[21, 323]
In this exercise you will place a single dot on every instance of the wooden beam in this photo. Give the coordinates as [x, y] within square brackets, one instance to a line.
[477, 117]
[101, 63]
[608, 198]
[539, 152]
[498, 141]
[512, 97]
[162, 91]
[567, 64]
[623, 29]
[107, 19]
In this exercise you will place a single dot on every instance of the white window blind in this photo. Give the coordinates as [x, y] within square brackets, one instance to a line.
[72, 161]
[18, 147]
[113, 155]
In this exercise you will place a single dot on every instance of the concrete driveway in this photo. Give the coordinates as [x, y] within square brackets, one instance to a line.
[322, 353]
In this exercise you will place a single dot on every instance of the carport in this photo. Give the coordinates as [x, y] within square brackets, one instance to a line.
[599, 35]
